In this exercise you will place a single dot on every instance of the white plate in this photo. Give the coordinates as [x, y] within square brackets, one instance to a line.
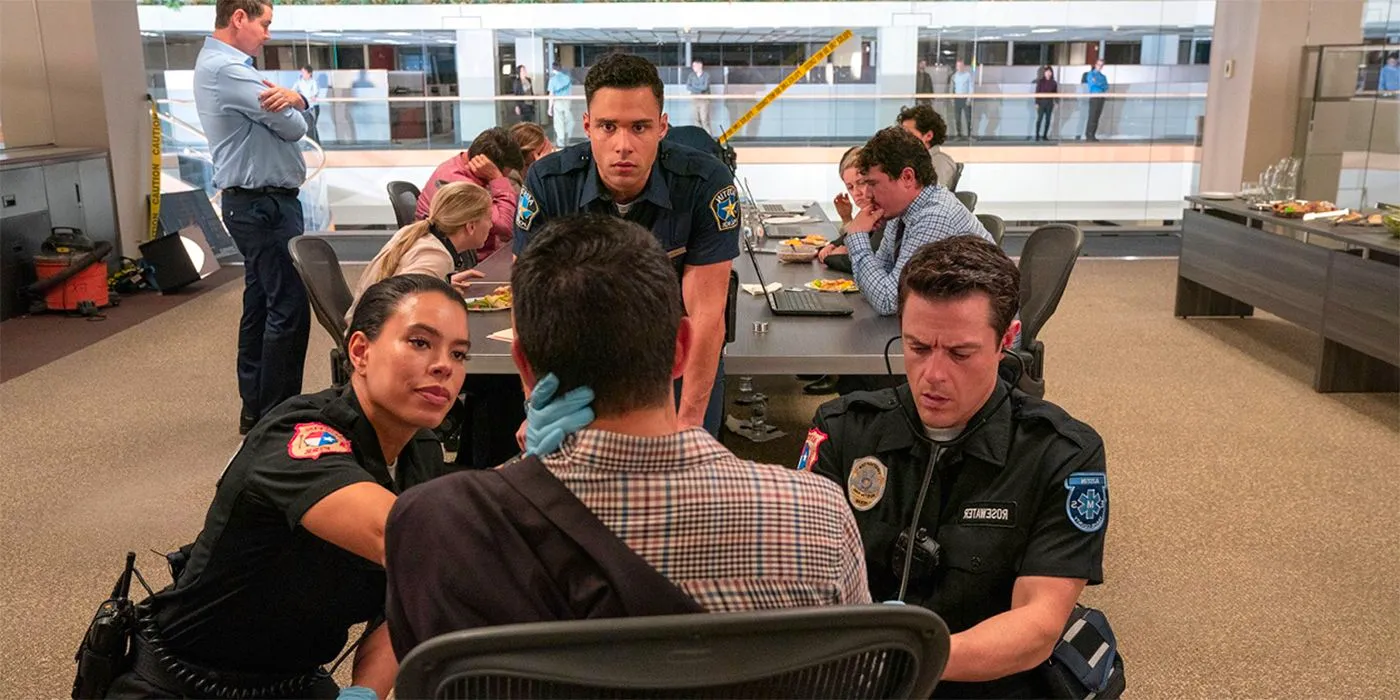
[815, 288]
[482, 311]
[1218, 196]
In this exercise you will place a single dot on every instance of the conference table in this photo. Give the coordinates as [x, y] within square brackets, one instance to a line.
[1341, 282]
[787, 345]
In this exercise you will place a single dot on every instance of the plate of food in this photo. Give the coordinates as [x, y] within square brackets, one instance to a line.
[1297, 209]
[811, 240]
[498, 300]
[840, 286]
[1356, 218]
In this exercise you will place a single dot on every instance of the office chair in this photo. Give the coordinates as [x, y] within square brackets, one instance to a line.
[994, 226]
[968, 199]
[1046, 264]
[331, 298]
[868, 651]
[404, 198]
[957, 177]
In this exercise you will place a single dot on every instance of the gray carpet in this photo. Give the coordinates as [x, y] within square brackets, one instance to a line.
[1252, 552]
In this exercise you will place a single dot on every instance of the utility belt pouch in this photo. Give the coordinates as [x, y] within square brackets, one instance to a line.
[1085, 664]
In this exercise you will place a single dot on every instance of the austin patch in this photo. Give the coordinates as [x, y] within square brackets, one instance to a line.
[311, 440]
[815, 438]
[725, 207]
[866, 484]
[1087, 502]
[527, 209]
[989, 513]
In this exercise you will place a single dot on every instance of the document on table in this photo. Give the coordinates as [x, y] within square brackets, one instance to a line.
[507, 335]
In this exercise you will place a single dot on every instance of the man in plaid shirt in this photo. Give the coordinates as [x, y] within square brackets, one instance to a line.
[905, 194]
[597, 304]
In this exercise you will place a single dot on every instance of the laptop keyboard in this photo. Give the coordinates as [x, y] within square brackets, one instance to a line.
[797, 301]
[774, 209]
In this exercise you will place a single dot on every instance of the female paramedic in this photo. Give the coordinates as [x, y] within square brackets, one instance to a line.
[291, 554]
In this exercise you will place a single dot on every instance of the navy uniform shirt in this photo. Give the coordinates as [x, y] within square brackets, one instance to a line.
[261, 594]
[1024, 494]
[689, 202]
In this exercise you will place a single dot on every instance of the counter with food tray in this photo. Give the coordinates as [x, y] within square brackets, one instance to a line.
[788, 345]
[1341, 281]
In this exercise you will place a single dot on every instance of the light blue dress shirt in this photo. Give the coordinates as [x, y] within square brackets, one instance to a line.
[251, 147]
[1390, 78]
[962, 82]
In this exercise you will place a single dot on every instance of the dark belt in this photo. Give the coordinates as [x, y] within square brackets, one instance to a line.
[161, 667]
[263, 190]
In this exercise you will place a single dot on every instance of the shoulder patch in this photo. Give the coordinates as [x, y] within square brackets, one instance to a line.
[311, 440]
[1087, 502]
[815, 438]
[866, 484]
[526, 210]
[725, 206]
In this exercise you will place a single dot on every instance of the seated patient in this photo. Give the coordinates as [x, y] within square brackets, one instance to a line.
[459, 221]
[491, 161]
[632, 515]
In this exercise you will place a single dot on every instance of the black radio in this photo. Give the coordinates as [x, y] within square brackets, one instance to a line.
[105, 652]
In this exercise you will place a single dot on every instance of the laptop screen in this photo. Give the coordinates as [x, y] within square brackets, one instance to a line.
[754, 259]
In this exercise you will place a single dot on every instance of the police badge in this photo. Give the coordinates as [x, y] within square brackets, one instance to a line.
[725, 206]
[866, 484]
[526, 211]
[1087, 502]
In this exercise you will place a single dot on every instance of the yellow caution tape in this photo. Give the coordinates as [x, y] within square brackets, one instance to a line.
[788, 82]
[153, 227]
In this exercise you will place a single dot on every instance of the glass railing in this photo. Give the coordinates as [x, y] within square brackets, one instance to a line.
[418, 122]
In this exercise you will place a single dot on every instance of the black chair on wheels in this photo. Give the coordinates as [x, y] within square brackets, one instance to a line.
[968, 199]
[331, 298]
[994, 226]
[957, 177]
[1046, 264]
[870, 651]
[404, 197]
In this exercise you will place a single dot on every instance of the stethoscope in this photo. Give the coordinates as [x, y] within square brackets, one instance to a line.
[938, 447]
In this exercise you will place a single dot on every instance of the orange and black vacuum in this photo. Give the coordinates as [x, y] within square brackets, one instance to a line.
[71, 274]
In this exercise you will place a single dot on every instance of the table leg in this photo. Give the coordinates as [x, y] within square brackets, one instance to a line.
[1344, 369]
[1196, 299]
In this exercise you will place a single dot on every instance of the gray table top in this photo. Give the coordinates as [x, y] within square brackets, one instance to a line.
[1368, 237]
[792, 344]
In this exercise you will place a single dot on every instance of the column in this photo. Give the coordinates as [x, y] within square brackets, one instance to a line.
[477, 77]
[74, 74]
[896, 61]
[1252, 114]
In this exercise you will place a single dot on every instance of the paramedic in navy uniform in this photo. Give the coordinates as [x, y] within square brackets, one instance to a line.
[292, 551]
[684, 197]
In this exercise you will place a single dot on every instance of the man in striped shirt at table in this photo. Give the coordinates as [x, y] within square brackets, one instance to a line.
[634, 514]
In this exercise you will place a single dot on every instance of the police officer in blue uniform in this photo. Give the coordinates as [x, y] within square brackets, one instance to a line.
[975, 500]
[686, 198]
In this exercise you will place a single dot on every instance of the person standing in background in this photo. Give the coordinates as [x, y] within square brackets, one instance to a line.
[962, 106]
[698, 83]
[525, 109]
[923, 85]
[561, 110]
[311, 92]
[1097, 84]
[1045, 106]
[254, 128]
[1390, 75]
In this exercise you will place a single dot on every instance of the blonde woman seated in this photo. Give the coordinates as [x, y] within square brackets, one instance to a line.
[459, 220]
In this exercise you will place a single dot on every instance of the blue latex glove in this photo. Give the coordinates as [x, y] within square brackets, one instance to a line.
[549, 420]
[357, 692]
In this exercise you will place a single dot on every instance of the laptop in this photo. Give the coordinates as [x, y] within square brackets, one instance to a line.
[789, 208]
[785, 302]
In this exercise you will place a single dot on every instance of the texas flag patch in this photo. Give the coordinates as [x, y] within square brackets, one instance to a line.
[311, 440]
[815, 438]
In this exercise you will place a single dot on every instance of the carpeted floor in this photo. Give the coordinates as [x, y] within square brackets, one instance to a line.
[1252, 552]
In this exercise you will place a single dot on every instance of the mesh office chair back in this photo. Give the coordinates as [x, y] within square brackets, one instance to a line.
[957, 177]
[968, 199]
[404, 198]
[1046, 264]
[837, 652]
[994, 226]
[319, 269]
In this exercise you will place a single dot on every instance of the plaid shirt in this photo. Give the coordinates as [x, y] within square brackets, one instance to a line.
[933, 216]
[733, 534]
